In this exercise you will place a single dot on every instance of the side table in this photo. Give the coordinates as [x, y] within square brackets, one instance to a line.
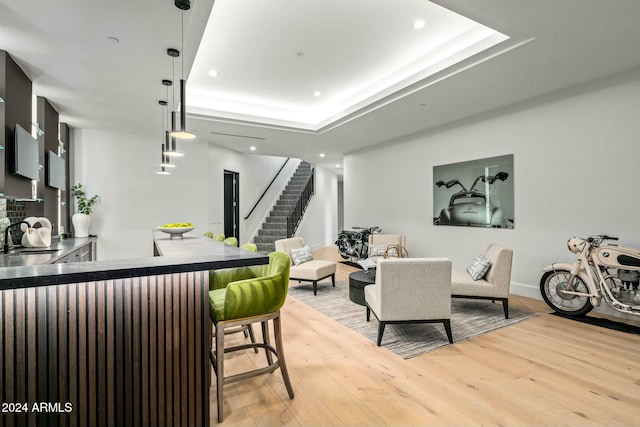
[357, 281]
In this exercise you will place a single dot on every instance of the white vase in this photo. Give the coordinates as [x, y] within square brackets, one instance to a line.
[81, 223]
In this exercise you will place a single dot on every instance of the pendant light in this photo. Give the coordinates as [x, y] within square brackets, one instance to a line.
[182, 133]
[171, 148]
[164, 160]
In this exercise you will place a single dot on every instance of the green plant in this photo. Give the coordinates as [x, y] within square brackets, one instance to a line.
[85, 205]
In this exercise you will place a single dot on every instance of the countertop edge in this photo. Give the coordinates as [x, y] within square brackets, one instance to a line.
[81, 272]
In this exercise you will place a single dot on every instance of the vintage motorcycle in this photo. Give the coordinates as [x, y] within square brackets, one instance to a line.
[601, 271]
[354, 244]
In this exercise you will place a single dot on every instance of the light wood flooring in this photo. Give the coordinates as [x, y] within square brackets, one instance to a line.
[546, 371]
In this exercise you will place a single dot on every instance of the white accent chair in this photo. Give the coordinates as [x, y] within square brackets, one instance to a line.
[377, 241]
[310, 271]
[411, 290]
[495, 283]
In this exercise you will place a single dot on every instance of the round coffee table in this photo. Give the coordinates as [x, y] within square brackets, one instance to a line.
[357, 281]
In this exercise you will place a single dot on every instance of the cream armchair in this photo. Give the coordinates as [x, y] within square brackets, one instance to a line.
[378, 244]
[411, 290]
[495, 283]
[311, 270]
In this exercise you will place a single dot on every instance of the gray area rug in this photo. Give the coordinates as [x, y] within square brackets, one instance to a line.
[469, 318]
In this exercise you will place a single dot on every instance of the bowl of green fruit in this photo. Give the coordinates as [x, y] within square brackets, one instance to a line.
[176, 229]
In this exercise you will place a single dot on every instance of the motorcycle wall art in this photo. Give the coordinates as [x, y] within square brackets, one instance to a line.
[488, 202]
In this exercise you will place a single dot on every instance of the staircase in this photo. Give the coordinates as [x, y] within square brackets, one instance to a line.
[287, 212]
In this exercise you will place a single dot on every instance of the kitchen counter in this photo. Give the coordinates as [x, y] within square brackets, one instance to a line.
[113, 343]
[178, 256]
[20, 257]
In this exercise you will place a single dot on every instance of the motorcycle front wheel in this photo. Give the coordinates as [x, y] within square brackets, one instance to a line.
[342, 249]
[552, 285]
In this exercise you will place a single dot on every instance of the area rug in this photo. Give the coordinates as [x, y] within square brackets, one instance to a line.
[603, 323]
[469, 318]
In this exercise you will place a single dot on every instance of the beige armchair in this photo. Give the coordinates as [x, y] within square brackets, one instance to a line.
[311, 270]
[378, 244]
[495, 283]
[411, 290]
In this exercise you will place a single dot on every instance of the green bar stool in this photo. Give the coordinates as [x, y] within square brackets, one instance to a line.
[243, 296]
[231, 241]
[251, 247]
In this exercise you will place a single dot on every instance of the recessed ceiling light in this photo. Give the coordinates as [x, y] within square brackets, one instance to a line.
[321, 154]
[252, 148]
[338, 166]
[317, 93]
[418, 24]
[213, 73]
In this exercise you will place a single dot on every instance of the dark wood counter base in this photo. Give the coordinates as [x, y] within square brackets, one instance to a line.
[117, 351]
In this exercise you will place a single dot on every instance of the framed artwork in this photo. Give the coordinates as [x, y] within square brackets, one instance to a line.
[476, 193]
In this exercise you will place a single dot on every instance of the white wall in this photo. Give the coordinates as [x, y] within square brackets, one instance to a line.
[255, 173]
[575, 173]
[134, 200]
[319, 227]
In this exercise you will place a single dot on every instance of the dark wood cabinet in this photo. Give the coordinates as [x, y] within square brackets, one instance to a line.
[16, 92]
[15, 89]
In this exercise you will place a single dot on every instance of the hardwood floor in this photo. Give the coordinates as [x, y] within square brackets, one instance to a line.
[543, 371]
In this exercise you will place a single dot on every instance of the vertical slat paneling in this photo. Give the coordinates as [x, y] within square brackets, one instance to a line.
[119, 352]
[20, 348]
[160, 350]
[92, 348]
[72, 339]
[175, 335]
[41, 352]
[144, 351]
[191, 380]
[200, 374]
[82, 398]
[63, 352]
[52, 352]
[100, 385]
[9, 344]
[153, 353]
[184, 349]
[129, 352]
[32, 355]
[168, 363]
[110, 366]
[136, 397]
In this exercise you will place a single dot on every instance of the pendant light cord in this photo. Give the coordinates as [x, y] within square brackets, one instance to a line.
[182, 47]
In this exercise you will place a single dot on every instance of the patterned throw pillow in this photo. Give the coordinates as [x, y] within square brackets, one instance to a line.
[479, 267]
[377, 250]
[299, 256]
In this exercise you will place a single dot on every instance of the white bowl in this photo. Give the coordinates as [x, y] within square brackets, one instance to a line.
[175, 231]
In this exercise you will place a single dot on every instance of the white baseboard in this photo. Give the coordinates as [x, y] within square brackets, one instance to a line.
[525, 290]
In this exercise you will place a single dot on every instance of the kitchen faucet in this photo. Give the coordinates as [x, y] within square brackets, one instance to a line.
[6, 234]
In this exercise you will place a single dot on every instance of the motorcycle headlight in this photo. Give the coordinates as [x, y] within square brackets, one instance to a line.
[576, 244]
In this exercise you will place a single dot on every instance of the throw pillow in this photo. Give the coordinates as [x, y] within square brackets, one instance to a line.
[377, 250]
[479, 267]
[302, 255]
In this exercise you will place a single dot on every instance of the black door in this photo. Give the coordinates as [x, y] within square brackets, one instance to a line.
[231, 204]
